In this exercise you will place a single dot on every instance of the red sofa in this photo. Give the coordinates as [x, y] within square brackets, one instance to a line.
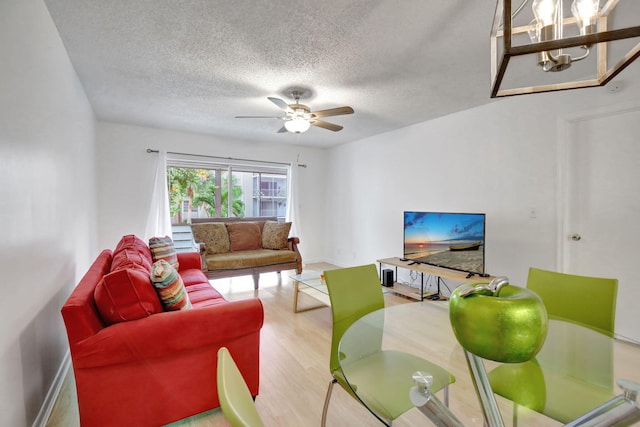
[152, 367]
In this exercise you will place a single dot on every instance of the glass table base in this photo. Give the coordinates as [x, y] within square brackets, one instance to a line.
[312, 284]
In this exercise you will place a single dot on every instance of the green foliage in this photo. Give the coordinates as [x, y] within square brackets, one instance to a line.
[198, 187]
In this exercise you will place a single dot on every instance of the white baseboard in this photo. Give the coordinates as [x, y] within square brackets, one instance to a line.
[52, 394]
[319, 261]
[338, 264]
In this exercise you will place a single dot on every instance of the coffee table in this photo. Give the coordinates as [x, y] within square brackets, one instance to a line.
[310, 283]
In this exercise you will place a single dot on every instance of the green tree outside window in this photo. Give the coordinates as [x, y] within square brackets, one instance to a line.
[197, 187]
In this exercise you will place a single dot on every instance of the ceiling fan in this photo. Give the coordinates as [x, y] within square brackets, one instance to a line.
[298, 117]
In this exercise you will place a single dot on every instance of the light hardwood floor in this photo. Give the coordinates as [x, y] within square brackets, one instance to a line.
[294, 368]
[294, 365]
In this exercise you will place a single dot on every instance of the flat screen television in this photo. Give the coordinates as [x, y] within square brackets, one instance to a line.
[445, 239]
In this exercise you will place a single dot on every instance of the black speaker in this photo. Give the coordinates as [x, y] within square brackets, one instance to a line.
[387, 277]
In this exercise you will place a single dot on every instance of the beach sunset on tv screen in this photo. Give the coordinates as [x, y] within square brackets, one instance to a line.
[445, 239]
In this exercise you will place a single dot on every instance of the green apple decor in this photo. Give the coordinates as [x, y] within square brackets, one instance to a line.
[497, 321]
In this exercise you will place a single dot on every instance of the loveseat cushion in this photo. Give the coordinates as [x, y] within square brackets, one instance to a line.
[214, 235]
[124, 295]
[275, 235]
[131, 252]
[170, 287]
[246, 259]
[244, 236]
[163, 248]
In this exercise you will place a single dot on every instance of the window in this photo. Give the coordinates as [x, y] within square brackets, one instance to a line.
[203, 188]
[270, 195]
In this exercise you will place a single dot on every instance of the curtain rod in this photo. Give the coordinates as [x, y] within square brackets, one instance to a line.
[149, 150]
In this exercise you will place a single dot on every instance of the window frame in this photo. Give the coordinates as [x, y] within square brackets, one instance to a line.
[231, 166]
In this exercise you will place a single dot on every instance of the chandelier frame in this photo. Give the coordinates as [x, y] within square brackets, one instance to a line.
[502, 50]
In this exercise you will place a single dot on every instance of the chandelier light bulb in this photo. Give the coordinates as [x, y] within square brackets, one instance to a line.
[534, 35]
[586, 14]
[534, 31]
[545, 11]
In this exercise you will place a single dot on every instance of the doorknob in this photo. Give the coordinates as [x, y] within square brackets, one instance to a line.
[576, 237]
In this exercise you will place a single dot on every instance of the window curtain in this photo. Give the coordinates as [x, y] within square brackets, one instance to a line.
[292, 200]
[159, 219]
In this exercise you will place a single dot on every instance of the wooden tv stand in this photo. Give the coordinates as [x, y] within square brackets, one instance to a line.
[430, 270]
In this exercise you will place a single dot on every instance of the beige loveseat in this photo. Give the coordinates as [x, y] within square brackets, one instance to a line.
[237, 248]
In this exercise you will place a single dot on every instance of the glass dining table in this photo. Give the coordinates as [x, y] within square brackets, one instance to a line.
[574, 362]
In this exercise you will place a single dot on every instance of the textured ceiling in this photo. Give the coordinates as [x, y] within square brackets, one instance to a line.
[194, 65]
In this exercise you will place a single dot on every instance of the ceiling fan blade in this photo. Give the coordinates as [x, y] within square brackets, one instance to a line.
[326, 125]
[282, 130]
[281, 104]
[258, 117]
[333, 112]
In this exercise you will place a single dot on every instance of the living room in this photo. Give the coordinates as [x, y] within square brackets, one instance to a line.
[73, 185]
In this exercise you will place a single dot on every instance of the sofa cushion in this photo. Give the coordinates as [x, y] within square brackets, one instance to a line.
[204, 295]
[248, 259]
[244, 236]
[131, 252]
[163, 248]
[131, 241]
[275, 235]
[124, 295]
[213, 235]
[193, 276]
[169, 286]
[130, 259]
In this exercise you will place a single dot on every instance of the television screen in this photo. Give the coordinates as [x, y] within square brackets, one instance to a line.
[445, 239]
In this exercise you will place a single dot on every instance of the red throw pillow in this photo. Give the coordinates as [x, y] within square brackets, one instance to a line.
[128, 259]
[125, 295]
[131, 251]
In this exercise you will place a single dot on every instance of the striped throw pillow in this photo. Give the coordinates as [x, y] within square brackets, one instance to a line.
[163, 248]
[169, 286]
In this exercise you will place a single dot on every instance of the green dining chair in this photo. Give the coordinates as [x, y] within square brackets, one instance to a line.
[235, 398]
[386, 375]
[589, 301]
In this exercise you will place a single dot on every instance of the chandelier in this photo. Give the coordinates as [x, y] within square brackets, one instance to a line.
[549, 45]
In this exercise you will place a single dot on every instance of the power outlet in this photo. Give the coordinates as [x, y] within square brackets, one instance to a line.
[533, 213]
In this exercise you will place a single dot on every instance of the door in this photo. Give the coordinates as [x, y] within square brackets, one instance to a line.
[602, 222]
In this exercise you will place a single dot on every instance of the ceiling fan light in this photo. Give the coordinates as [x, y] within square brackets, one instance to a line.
[297, 125]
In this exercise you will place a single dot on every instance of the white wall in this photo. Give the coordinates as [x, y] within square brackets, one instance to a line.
[491, 159]
[47, 203]
[126, 173]
[500, 158]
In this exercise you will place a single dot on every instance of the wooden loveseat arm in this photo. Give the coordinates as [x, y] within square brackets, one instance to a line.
[292, 244]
